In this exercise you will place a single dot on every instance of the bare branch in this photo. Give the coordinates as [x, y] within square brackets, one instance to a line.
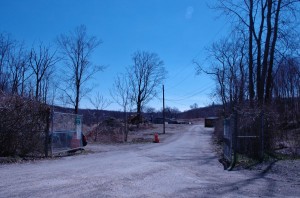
[76, 48]
[145, 76]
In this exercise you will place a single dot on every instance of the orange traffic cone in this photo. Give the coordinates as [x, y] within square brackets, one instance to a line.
[156, 140]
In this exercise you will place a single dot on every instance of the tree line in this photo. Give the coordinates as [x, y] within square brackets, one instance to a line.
[62, 71]
[37, 73]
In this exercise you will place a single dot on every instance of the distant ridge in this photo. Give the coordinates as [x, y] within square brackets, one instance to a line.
[203, 112]
[90, 116]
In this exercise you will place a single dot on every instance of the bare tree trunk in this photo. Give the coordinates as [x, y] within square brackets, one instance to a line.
[41, 61]
[120, 94]
[251, 29]
[139, 112]
[125, 125]
[259, 48]
[242, 79]
[265, 63]
[77, 99]
[77, 47]
[269, 82]
[37, 89]
[5, 48]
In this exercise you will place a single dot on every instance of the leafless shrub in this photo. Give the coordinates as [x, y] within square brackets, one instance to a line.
[108, 131]
[23, 125]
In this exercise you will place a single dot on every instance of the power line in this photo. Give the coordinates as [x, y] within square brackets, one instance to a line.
[190, 95]
[186, 66]
[181, 81]
[184, 105]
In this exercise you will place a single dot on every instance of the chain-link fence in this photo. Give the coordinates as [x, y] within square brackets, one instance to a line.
[243, 134]
[250, 134]
[229, 125]
[66, 132]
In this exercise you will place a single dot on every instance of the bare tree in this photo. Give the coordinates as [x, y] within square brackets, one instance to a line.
[5, 46]
[228, 60]
[42, 62]
[171, 112]
[145, 76]
[267, 23]
[121, 95]
[99, 103]
[267, 27]
[48, 83]
[77, 48]
[17, 67]
[287, 89]
[194, 106]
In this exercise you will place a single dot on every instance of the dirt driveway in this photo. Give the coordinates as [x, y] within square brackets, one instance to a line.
[183, 165]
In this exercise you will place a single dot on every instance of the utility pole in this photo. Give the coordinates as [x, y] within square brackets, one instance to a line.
[164, 123]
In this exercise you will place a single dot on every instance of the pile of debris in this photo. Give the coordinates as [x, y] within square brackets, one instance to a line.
[108, 131]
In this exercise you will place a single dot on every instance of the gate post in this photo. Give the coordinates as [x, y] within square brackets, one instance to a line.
[261, 135]
[46, 143]
[233, 127]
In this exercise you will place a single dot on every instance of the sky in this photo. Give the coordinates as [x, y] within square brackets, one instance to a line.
[179, 31]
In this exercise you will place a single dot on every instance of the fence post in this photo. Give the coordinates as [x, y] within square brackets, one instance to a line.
[262, 135]
[235, 134]
[46, 146]
[233, 119]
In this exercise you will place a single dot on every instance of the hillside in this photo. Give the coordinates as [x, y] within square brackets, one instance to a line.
[91, 116]
[210, 111]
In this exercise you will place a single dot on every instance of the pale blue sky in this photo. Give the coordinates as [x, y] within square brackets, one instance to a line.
[177, 30]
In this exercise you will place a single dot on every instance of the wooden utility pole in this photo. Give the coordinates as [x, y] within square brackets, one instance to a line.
[164, 123]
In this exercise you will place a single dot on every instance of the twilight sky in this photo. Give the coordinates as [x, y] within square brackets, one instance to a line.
[177, 30]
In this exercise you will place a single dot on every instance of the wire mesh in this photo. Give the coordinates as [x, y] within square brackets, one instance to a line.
[66, 132]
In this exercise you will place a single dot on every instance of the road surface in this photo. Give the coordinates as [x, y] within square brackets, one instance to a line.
[184, 165]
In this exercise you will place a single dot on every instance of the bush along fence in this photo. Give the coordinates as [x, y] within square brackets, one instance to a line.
[244, 134]
[30, 129]
[24, 127]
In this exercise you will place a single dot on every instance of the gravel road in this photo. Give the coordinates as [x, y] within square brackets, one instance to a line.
[183, 165]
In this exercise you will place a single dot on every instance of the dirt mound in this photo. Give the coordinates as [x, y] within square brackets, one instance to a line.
[108, 131]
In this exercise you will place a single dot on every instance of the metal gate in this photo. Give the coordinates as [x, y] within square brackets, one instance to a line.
[250, 134]
[244, 134]
[66, 132]
[229, 140]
